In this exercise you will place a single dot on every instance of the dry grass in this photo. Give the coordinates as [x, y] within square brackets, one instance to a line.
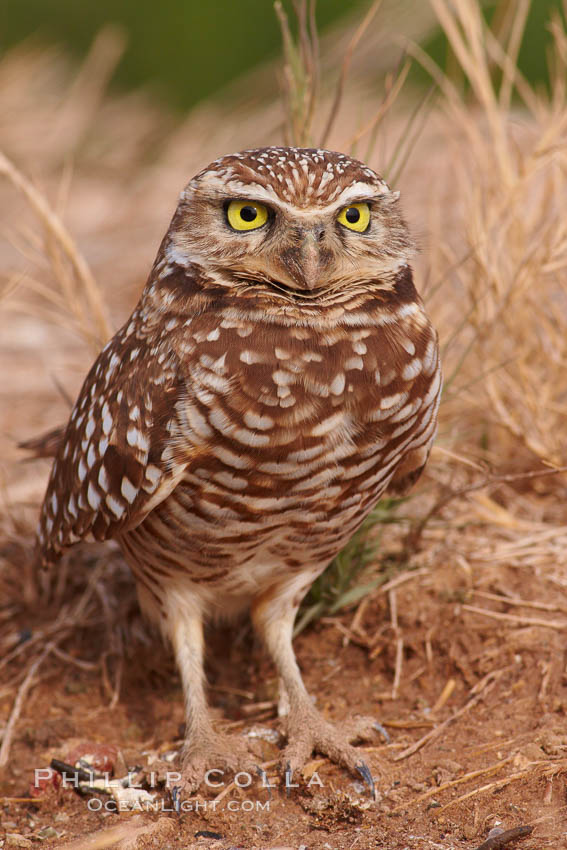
[504, 253]
[483, 172]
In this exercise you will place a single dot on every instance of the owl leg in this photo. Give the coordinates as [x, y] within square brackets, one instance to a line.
[207, 755]
[273, 615]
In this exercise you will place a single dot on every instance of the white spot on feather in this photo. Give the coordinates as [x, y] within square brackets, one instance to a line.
[128, 490]
[136, 439]
[338, 384]
[390, 401]
[93, 498]
[251, 357]
[354, 363]
[408, 345]
[153, 476]
[91, 456]
[107, 420]
[328, 424]
[412, 369]
[103, 481]
[282, 378]
[72, 506]
[115, 506]
[233, 482]
[263, 423]
[250, 438]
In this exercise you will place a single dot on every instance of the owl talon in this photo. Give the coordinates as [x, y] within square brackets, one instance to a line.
[377, 726]
[288, 777]
[366, 775]
[265, 782]
[176, 798]
[308, 733]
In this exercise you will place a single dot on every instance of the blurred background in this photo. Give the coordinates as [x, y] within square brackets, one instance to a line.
[184, 51]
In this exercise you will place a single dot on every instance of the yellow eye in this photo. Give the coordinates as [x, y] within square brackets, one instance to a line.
[246, 215]
[355, 217]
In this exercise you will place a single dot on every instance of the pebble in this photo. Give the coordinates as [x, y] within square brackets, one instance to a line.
[14, 839]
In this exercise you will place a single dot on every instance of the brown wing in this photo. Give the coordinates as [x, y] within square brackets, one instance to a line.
[430, 385]
[409, 471]
[45, 445]
[118, 457]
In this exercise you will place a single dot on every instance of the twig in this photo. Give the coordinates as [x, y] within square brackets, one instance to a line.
[258, 707]
[356, 624]
[18, 705]
[487, 771]
[504, 838]
[394, 88]
[480, 690]
[444, 695]
[512, 618]
[344, 70]
[521, 603]
[100, 840]
[350, 636]
[76, 662]
[57, 231]
[501, 783]
[402, 579]
[301, 70]
[238, 692]
[393, 600]
[415, 534]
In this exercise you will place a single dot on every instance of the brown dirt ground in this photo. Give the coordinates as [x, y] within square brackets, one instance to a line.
[500, 762]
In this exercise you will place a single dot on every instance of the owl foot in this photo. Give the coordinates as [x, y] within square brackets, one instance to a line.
[308, 733]
[211, 760]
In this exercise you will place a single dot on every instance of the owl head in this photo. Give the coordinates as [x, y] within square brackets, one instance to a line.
[296, 222]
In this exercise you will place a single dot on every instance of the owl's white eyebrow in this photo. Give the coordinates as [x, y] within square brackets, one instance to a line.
[310, 212]
[358, 191]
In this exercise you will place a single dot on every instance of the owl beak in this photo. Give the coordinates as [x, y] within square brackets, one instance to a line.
[310, 260]
[304, 258]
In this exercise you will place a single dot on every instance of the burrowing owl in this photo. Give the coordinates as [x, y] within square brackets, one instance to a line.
[277, 375]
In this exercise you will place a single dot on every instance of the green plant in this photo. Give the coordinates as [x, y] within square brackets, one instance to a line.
[352, 574]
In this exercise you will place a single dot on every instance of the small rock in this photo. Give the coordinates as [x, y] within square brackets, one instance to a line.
[132, 798]
[14, 839]
[531, 752]
[97, 757]
[48, 832]
[264, 733]
[553, 743]
[497, 830]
